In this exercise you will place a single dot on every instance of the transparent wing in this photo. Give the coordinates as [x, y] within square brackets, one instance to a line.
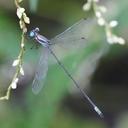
[41, 71]
[75, 36]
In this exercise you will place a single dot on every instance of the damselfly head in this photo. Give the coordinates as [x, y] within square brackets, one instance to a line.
[33, 32]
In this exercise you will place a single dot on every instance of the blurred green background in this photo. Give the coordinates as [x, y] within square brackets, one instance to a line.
[100, 69]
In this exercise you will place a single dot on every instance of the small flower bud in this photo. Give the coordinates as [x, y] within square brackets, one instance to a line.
[101, 21]
[24, 29]
[20, 12]
[121, 41]
[96, 0]
[14, 83]
[115, 39]
[113, 23]
[103, 9]
[15, 62]
[22, 45]
[87, 6]
[21, 71]
[98, 14]
[26, 19]
[21, 24]
[110, 40]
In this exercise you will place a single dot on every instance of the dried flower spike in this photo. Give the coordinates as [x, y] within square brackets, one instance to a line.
[99, 10]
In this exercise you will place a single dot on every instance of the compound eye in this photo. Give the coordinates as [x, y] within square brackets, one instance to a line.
[32, 34]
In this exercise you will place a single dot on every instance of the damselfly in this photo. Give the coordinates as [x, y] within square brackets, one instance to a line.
[75, 35]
